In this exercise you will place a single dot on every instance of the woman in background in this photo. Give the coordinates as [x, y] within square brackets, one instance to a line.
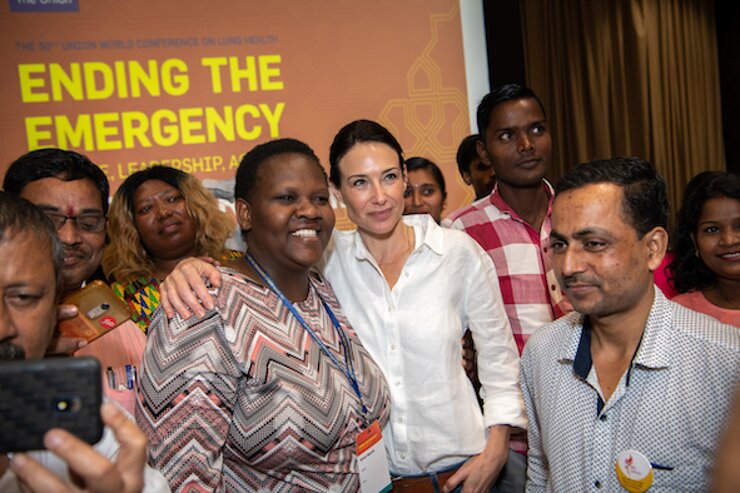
[270, 390]
[159, 216]
[426, 192]
[706, 268]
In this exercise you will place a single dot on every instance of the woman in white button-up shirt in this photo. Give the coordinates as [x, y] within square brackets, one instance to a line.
[410, 289]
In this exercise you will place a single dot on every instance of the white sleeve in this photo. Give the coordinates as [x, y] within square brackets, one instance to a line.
[498, 357]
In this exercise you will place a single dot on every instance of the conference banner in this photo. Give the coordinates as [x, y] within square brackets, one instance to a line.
[195, 84]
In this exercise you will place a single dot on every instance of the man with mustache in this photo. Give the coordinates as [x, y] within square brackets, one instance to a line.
[30, 282]
[73, 192]
[631, 389]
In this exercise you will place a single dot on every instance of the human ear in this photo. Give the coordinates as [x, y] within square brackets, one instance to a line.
[337, 200]
[243, 214]
[693, 241]
[657, 244]
[482, 152]
[466, 178]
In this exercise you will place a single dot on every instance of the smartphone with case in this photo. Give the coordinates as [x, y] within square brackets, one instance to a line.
[100, 311]
[38, 395]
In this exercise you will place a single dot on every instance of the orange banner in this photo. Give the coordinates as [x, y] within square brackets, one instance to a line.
[196, 84]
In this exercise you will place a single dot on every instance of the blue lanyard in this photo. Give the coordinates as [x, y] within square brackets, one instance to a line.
[348, 369]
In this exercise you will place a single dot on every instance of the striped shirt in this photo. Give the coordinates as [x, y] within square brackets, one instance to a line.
[245, 400]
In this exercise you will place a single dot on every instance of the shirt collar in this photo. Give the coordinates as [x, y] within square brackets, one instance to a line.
[655, 348]
[498, 201]
[426, 232]
[653, 351]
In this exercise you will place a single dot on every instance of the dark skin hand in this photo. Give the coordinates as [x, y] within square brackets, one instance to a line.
[63, 345]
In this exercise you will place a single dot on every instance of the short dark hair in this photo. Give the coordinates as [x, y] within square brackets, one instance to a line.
[467, 152]
[413, 163]
[55, 163]
[508, 92]
[18, 216]
[246, 175]
[645, 200]
[357, 132]
[687, 269]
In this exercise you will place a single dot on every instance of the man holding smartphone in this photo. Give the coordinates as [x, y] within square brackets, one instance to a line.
[73, 193]
[30, 282]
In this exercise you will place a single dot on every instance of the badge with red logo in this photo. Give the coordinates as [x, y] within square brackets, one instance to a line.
[634, 471]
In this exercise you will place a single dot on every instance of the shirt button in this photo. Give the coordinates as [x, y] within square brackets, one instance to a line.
[603, 417]
[405, 274]
[400, 420]
[597, 483]
[403, 456]
[393, 347]
[553, 287]
[398, 382]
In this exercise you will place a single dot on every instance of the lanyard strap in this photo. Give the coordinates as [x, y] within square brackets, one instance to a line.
[348, 369]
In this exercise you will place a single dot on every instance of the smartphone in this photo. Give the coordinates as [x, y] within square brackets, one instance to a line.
[37, 395]
[100, 312]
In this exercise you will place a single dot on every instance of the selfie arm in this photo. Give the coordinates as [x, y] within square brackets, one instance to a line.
[96, 472]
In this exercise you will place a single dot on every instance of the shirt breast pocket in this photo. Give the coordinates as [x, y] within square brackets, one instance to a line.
[689, 478]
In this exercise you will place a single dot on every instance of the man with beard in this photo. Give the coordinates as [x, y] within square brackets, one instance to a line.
[73, 193]
[30, 282]
[632, 388]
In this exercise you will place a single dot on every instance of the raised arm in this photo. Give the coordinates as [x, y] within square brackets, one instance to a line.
[97, 473]
[185, 290]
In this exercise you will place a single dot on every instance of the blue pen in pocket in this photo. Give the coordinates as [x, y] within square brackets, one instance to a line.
[130, 376]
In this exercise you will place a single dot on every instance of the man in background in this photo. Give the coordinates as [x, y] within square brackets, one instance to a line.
[474, 171]
[632, 388]
[30, 283]
[73, 193]
[513, 223]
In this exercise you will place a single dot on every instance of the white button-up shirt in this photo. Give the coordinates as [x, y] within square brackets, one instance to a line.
[670, 405]
[413, 333]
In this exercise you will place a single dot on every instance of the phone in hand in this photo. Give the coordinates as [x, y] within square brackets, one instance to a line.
[38, 395]
[100, 311]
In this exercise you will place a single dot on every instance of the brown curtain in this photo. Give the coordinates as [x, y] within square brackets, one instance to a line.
[628, 77]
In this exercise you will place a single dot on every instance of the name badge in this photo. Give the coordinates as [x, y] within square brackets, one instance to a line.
[634, 471]
[372, 462]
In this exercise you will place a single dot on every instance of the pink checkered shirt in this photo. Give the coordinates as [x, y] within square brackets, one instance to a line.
[522, 258]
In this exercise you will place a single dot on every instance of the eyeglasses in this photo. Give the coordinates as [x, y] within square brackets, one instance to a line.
[84, 223]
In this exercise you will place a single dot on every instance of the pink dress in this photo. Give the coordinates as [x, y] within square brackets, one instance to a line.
[696, 301]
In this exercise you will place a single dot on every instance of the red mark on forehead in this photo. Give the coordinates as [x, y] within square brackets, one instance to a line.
[70, 211]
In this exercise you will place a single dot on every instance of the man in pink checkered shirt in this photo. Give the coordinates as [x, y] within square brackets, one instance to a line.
[513, 223]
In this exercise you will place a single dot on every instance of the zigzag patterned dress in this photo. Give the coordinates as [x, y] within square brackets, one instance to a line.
[244, 400]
